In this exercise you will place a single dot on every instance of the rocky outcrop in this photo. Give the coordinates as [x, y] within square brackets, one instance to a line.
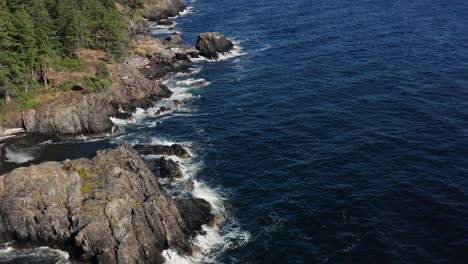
[175, 39]
[110, 209]
[138, 25]
[211, 43]
[169, 169]
[75, 114]
[173, 150]
[161, 9]
[135, 85]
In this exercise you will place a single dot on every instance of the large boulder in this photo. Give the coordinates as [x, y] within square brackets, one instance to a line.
[162, 9]
[110, 209]
[211, 43]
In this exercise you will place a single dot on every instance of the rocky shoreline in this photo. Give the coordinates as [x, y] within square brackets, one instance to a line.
[111, 208]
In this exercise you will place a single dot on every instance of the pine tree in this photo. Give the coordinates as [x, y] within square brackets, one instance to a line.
[45, 37]
[70, 26]
[27, 51]
[7, 57]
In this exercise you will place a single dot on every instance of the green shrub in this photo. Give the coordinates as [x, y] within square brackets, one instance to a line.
[27, 99]
[94, 85]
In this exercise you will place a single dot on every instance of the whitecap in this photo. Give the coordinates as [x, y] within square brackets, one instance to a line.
[10, 254]
[17, 157]
[197, 82]
[186, 11]
[193, 71]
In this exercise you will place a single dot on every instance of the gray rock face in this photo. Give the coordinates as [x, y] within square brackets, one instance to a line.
[162, 9]
[211, 43]
[76, 114]
[173, 150]
[110, 209]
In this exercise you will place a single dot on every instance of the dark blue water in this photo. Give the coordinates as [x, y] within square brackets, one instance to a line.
[341, 136]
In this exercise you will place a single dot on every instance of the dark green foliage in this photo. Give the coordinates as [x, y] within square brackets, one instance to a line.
[37, 34]
[93, 85]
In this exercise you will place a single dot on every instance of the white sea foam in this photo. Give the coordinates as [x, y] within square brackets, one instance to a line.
[210, 245]
[47, 142]
[188, 10]
[200, 82]
[181, 91]
[10, 254]
[213, 241]
[17, 157]
[193, 71]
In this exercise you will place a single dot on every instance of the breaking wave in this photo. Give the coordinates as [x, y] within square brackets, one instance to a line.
[17, 156]
[9, 254]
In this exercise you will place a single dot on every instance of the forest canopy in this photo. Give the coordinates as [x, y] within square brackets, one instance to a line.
[34, 33]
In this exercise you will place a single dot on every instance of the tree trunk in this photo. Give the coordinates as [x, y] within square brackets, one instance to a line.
[7, 97]
[45, 73]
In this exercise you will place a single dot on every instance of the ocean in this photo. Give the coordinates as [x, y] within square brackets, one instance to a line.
[336, 132]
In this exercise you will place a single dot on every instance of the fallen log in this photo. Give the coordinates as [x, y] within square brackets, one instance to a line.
[10, 133]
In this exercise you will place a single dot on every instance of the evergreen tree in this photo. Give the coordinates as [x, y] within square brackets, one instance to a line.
[8, 60]
[33, 32]
[70, 26]
[45, 37]
[25, 38]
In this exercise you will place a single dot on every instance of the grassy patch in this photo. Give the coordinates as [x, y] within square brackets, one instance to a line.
[85, 174]
[67, 64]
[88, 188]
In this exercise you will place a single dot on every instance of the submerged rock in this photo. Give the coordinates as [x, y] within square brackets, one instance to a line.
[110, 209]
[173, 150]
[178, 103]
[211, 43]
[165, 22]
[162, 110]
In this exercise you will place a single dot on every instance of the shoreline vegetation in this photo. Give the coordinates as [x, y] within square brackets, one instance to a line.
[85, 62]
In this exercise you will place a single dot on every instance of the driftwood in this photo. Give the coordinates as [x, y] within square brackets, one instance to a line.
[10, 133]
